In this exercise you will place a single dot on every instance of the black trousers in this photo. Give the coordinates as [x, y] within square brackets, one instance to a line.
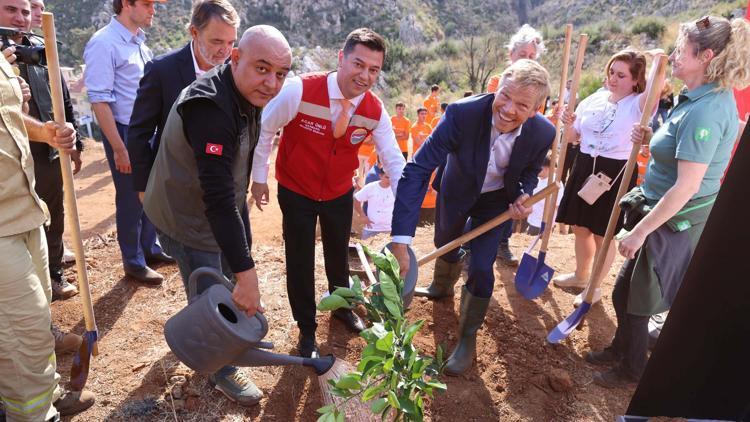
[300, 215]
[631, 336]
[49, 187]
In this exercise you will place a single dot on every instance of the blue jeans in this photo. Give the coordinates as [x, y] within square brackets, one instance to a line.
[135, 233]
[189, 259]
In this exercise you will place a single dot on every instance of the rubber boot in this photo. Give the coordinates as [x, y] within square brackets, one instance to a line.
[445, 277]
[473, 309]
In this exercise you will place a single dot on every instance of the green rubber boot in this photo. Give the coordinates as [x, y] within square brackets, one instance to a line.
[445, 277]
[473, 309]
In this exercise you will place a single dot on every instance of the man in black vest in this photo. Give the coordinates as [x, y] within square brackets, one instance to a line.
[213, 29]
[17, 14]
[197, 191]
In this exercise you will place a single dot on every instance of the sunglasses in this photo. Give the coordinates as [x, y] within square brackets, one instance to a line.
[703, 23]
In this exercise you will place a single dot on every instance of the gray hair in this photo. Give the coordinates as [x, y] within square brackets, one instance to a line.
[527, 35]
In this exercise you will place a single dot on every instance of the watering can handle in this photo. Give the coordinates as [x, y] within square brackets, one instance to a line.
[209, 272]
[218, 278]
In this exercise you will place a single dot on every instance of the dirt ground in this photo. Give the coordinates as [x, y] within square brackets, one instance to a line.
[135, 371]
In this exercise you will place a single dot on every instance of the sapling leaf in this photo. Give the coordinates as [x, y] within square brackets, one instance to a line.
[345, 292]
[385, 343]
[333, 302]
[378, 405]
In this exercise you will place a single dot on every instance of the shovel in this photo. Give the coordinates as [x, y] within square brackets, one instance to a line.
[79, 371]
[412, 275]
[565, 327]
[533, 275]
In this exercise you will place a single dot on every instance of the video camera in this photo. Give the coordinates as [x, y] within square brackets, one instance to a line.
[28, 54]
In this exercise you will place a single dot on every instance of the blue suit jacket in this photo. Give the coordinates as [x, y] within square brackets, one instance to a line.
[163, 79]
[460, 149]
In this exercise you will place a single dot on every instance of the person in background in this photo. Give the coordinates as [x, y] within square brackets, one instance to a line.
[115, 57]
[435, 120]
[534, 219]
[666, 102]
[213, 32]
[432, 102]
[526, 43]
[379, 198]
[689, 154]
[420, 130]
[401, 126]
[602, 125]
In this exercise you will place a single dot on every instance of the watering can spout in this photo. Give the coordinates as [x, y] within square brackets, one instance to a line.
[258, 357]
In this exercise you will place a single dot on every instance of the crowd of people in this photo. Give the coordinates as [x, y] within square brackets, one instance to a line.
[188, 135]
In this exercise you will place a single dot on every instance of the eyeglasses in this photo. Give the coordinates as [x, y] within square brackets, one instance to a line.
[703, 23]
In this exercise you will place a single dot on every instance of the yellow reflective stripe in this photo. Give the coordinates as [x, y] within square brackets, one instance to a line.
[314, 110]
[29, 406]
[362, 121]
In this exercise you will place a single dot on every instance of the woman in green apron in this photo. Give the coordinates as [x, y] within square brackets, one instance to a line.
[666, 214]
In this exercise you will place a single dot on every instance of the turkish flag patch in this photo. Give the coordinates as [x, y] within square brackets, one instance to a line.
[214, 149]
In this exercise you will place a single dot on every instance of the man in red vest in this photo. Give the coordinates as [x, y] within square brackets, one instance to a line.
[325, 117]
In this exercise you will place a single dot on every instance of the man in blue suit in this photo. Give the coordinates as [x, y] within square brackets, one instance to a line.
[488, 150]
[213, 29]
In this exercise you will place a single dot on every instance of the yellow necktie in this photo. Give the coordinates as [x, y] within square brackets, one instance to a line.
[342, 122]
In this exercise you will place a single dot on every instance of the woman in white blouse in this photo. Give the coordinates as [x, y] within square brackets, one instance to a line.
[602, 124]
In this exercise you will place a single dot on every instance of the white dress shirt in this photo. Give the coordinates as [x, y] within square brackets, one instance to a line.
[198, 71]
[283, 108]
[500, 149]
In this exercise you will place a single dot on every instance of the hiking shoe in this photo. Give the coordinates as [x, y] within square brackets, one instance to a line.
[569, 280]
[74, 402]
[145, 275]
[617, 377]
[505, 255]
[61, 289]
[65, 342]
[607, 356]
[579, 298]
[234, 384]
[307, 347]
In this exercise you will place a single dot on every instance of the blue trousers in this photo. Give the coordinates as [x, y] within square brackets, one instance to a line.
[135, 233]
[448, 227]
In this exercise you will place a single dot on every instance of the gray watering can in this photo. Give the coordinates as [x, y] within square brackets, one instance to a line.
[210, 332]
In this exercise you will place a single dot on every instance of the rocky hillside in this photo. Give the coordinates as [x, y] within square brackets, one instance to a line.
[410, 22]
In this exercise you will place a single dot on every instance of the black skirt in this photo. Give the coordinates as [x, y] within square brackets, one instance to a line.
[575, 211]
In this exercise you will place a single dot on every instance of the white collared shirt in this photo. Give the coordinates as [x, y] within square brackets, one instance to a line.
[283, 108]
[198, 71]
[500, 150]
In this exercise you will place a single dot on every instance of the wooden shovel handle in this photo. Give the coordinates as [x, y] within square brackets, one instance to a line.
[556, 165]
[489, 225]
[365, 264]
[654, 92]
[71, 207]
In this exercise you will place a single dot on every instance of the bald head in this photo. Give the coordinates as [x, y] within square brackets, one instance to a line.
[260, 63]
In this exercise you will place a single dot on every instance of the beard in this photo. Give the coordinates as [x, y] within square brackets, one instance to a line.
[206, 55]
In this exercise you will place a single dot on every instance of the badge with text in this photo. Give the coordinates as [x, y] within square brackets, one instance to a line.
[214, 149]
[358, 136]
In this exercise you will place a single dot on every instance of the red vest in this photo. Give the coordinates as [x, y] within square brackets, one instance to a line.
[311, 162]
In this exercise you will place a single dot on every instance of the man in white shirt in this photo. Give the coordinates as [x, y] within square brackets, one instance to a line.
[325, 119]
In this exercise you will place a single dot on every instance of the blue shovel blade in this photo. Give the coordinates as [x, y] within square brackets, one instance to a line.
[524, 273]
[564, 328]
[539, 279]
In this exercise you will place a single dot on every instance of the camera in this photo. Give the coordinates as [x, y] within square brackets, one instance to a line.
[28, 54]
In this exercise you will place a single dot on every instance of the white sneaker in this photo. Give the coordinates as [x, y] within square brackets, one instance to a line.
[579, 298]
[569, 280]
[68, 256]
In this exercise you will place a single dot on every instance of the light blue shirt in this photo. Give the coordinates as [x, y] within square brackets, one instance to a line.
[115, 59]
